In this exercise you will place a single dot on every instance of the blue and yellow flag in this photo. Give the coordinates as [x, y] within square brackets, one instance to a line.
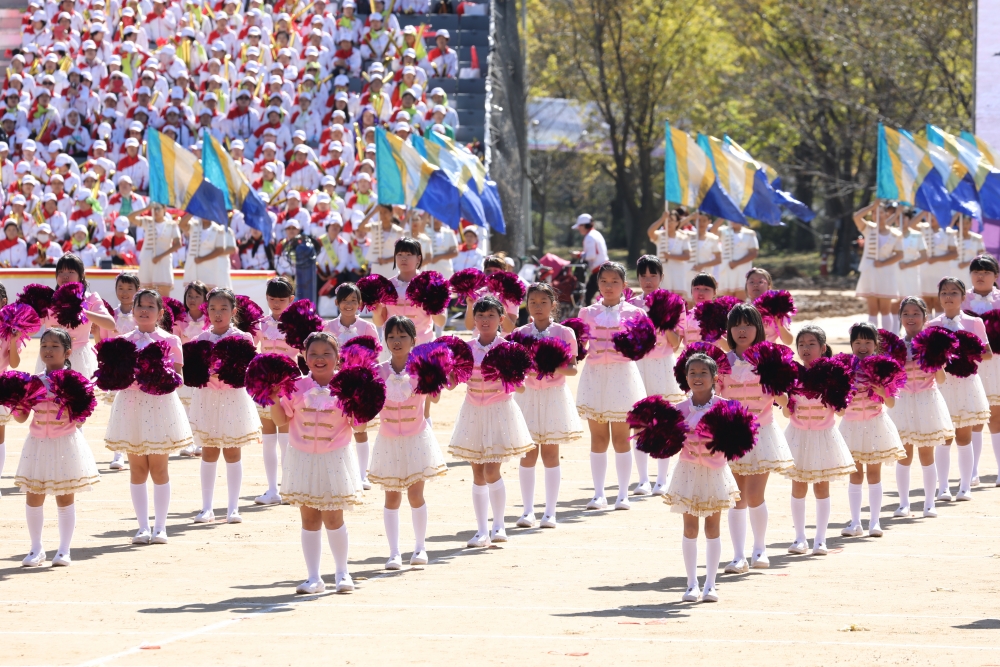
[946, 156]
[689, 174]
[983, 165]
[901, 167]
[177, 180]
[760, 202]
[405, 178]
[221, 170]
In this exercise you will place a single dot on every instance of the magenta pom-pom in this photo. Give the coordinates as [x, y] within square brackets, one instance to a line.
[298, 321]
[467, 283]
[197, 362]
[848, 361]
[248, 315]
[892, 345]
[582, 332]
[432, 365]
[463, 361]
[934, 348]
[730, 428]
[665, 309]
[508, 364]
[67, 304]
[377, 291]
[368, 341]
[775, 366]
[74, 395]
[39, 297]
[970, 354]
[659, 427]
[20, 391]
[713, 317]
[506, 285]
[230, 358]
[828, 381]
[551, 354]
[268, 372]
[775, 304]
[637, 339]
[174, 312]
[717, 355]
[18, 322]
[429, 291]
[116, 360]
[154, 370]
[881, 370]
[522, 337]
[991, 319]
[361, 393]
[357, 353]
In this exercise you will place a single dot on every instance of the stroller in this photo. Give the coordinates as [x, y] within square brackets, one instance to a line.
[564, 276]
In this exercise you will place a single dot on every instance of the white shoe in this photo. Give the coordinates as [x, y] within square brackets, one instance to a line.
[498, 535]
[117, 464]
[189, 452]
[142, 537]
[852, 530]
[208, 516]
[367, 486]
[197, 450]
[548, 522]
[799, 547]
[394, 563]
[902, 512]
[623, 504]
[643, 490]
[598, 503]
[526, 521]
[479, 541]
[692, 594]
[710, 595]
[944, 496]
[760, 562]
[160, 537]
[418, 558]
[659, 489]
[738, 567]
[344, 583]
[310, 587]
[963, 495]
[975, 482]
[930, 513]
[874, 531]
[819, 549]
[61, 560]
[268, 498]
[234, 517]
[34, 559]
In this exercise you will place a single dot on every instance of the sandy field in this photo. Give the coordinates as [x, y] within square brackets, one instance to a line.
[604, 588]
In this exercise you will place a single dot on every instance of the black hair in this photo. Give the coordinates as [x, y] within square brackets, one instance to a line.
[705, 280]
[612, 267]
[744, 313]
[401, 322]
[344, 290]
[227, 294]
[73, 263]
[542, 288]
[702, 358]
[129, 278]
[199, 287]
[649, 264]
[279, 288]
[64, 339]
[484, 304]
[948, 280]
[757, 271]
[818, 333]
[321, 337]
[985, 263]
[913, 301]
[409, 246]
[864, 331]
[495, 262]
[3, 292]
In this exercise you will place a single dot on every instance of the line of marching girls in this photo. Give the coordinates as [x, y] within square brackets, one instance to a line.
[692, 377]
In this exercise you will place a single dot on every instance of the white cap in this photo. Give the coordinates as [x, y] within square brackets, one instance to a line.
[29, 145]
[125, 178]
[18, 199]
[81, 194]
[292, 222]
[328, 180]
[269, 145]
[237, 143]
[44, 228]
[131, 142]
[294, 194]
[582, 219]
[335, 146]
[79, 228]
[302, 148]
[443, 33]
[121, 224]
[50, 197]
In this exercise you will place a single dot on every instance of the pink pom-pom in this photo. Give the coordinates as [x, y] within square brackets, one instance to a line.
[665, 309]
[730, 428]
[713, 317]
[429, 291]
[268, 372]
[74, 394]
[20, 391]
[377, 291]
[991, 319]
[467, 282]
[828, 381]
[18, 322]
[155, 371]
[848, 361]
[934, 348]
[775, 304]
[248, 315]
[67, 304]
[508, 364]
[432, 365]
[39, 297]
[360, 391]
[582, 332]
[116, 360]
[357, 352]
[659, 427]
[717, 355]
[298, 321]
[970, 354]
[551, 354]
[368, 341]
[637, 340]
[522, 337]
[174, 312]
[197, 362]
[506, 285]
[881, 370]
[230, 358]
[775, 365]
[892, 345]
[463, 361]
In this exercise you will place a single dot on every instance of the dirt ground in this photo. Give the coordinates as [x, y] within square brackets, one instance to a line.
[603, 588]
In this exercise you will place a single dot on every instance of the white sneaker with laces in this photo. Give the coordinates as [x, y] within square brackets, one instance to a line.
[419, 558]
[737, 567]
[692, 594]
[61, 560]
[34, 559]
[310, 587]
[160, 537]
[659, 489]
[142, 537]
[526, 521]
[394, 563]
[902, 512]
[234, 517]
[623, 504]
[852, 530]
[963, 496]
[268, 498]
[498, 535]
[799, 547]
[207, 516]
[710, 595]
[760, 562]
[478, 541]
[548, 522]
[598, 503]
[344, 583]
[642, 490]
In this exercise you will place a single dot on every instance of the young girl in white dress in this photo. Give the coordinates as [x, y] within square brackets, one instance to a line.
[942, 251]
[878, 282]
[406, 453]
[610, 385]
[489, 428]
[775, 330]
[55, 460]
[673, 247]
[196, 322]
[126, 286]
[548, 409]
[707, 253]
[223, 419]
[914, 247]
[320, 474]
[10, 357]
[983, 299]
[148, 427]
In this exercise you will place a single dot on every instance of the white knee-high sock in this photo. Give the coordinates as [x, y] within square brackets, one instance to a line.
[552, 478]
[713, 551]
[903, 484]
[161, 506]
[930, 482]
[339, 545]
[977, 452]
[481, 506]
[271, 461]
[854, 500]
[282, 446]
[641, 465]
[140, 502]
[799, 518]
[822, 519]
[207, 484]
[36, 519]
[598, 470]
[738, 531]
[662, 470]
[966, 463]
[623, 466]
[995, 440]
[364, 449]
[942, 461]
[67, 524]
[873, 319]
[689, 547]
[498, 502]
[419, 517]
[312, 552]
[758, 524]
[874, 503]
[234, 479]
[391, 520]
[3, 456]
[526, 476]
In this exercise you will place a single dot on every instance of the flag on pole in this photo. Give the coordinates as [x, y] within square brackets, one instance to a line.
[177, 180]
[221, 170]
[953, 172]
[760, 203]
[689, 174]
[480, 199]
[983, 165]
[405, 178]
[901, 167]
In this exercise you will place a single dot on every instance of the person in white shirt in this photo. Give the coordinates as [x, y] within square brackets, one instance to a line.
[595, 252]
[469, 255]
[80, 245]
[739, 247]
[13, 249]
[445, 245]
